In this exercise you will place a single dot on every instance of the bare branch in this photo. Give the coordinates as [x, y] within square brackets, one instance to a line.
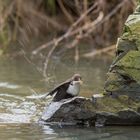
[80, 33]
[100, 51]
[67, 34]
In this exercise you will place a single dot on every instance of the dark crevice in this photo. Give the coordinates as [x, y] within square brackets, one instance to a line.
[128, 80]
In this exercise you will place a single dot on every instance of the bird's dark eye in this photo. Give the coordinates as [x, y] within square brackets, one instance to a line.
[71, 83]
[77, 78]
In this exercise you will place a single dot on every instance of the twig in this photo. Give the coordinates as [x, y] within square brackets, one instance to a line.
[48, 58]
[67, 34]
[98, 52]
[88, 29]
[80, 19]
[100, 20]
[56, 43]
[106, 18]
[29, 61]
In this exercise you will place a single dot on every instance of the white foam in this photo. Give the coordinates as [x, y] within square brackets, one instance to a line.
[54, 106]
[51, 109]
[8, 85]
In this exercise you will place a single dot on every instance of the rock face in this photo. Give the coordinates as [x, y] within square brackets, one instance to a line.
[105, 111]
[120, 104]
[124, 74]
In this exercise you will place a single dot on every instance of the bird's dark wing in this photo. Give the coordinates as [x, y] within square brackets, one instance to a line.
[63, 86]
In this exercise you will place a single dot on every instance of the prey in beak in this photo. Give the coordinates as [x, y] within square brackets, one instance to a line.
[77, 81]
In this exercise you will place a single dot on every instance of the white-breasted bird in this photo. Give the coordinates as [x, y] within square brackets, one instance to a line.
[67, 89]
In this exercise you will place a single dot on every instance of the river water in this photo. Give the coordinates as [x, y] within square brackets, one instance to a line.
[22, 89]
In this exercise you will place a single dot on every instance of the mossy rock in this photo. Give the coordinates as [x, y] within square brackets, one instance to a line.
[124, 74]
[124, 45]
[132, 28]
[130, 60]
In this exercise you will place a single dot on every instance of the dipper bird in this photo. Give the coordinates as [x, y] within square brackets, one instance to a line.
[67, 89]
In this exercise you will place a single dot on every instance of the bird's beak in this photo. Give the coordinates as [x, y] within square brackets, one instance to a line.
[78, 82]
[81, 82]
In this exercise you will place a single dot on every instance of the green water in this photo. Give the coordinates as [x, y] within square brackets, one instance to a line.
[21, 105]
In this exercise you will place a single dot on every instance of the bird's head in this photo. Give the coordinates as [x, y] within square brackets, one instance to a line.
[74, 87]
[77, 79]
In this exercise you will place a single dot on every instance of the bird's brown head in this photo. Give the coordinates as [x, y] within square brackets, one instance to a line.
[77, 78]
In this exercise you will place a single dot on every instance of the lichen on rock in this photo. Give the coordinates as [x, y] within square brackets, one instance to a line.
[124, 74]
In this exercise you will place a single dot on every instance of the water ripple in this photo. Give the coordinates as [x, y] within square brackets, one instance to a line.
[8, 85]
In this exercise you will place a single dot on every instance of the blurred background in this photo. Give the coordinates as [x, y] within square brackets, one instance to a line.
[43, 43]
[57, 38]
[38, 25]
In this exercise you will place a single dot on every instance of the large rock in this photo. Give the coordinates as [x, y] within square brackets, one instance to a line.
[105, 111]
[124, 74]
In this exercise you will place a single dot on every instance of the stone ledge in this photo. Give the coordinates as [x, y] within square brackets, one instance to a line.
[84, 111]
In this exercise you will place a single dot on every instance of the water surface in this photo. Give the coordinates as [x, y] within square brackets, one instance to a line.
[21, 105]
[40, 132]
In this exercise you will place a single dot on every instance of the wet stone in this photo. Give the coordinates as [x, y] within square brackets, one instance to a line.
[83, 111]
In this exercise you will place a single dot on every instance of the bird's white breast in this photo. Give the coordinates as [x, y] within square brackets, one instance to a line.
[73, 89]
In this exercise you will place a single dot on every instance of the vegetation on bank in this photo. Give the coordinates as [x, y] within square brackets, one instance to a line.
[49, 24]
[24, 20]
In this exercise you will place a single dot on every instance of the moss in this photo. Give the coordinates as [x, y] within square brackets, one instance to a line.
[127, 29]
[130, 65]
[89, 106]
[124, 78]
[132, 20]
[133, 73]
[114, 105]
[130, 60]
[132, 28]
[138, 1]
[106, 104]
[112, 87]
[123, 98]
[129, 102]
[125, 45]
[110, 105]
[133, 23]
[114, 82]
[127, 69]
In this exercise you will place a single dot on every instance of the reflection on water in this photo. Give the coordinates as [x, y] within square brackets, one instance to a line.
[21, 104]
[38, 132]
